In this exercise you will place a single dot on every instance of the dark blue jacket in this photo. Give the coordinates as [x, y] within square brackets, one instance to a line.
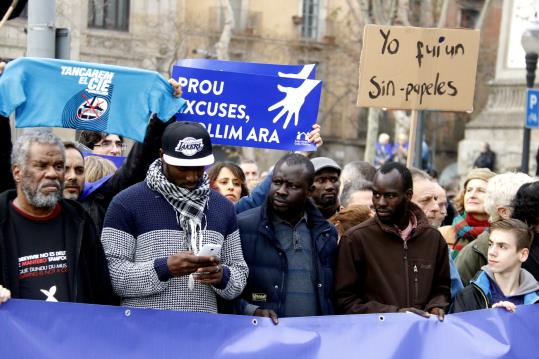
[268, 265]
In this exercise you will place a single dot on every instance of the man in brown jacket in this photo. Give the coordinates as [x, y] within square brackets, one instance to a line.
[394, 262]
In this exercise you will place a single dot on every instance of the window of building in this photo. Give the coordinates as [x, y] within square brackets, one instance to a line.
[311, 19]
[239, 12]
[468, 18]
[108, 14]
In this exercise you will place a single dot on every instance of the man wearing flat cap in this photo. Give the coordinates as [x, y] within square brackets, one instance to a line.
[325, 191]
[154, 230]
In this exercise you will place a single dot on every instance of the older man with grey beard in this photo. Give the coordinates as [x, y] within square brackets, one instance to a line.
[49, 248]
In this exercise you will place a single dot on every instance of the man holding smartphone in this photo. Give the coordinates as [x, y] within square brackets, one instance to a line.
[156, 232]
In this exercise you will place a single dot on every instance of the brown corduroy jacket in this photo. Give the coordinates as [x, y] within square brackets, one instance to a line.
[377, 272]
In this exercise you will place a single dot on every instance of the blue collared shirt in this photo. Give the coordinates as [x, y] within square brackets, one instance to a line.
[296, 243]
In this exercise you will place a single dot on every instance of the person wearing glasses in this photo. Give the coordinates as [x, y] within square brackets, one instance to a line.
[96, 197]
[102, 143]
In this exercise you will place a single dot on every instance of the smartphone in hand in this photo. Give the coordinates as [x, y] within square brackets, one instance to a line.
[210, 249]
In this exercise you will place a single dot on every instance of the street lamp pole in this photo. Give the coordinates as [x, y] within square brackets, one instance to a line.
[530, 43]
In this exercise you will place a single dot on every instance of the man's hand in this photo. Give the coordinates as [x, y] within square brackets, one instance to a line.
[439, 312]
[510, 307]
[184, 263]
[415, 311]
[2, 65]
[209, 275]
[267, 313]
[314, 136]
[5, 294]
[176, 86]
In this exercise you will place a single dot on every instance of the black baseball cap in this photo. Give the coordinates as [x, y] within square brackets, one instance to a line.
[187, 144]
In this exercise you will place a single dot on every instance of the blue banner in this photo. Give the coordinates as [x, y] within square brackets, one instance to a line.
[301, 71]
[36, 329]
[251, 110]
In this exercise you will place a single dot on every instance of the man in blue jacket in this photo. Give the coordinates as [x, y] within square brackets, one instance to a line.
[289, 248]
[502, 283]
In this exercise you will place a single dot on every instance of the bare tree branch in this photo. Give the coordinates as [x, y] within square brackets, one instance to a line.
[365, 12]
[372, 134]
[402, 12]
[481, 19]
[8, 12]
[353, 11]
[443, 14]
[385, 14]
[221, 47]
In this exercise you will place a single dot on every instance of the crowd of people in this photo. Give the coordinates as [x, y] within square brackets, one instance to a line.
[170, 228]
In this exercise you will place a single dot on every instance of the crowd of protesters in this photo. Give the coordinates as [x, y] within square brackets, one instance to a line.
[171, 229]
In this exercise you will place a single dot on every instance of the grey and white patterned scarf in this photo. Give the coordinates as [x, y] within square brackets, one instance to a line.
[189, 205]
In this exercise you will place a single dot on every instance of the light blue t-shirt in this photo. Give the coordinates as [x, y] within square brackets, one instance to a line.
[85, 96]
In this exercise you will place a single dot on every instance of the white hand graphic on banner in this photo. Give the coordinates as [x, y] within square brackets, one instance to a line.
[295, 96]
[50, 294]
[303, 74]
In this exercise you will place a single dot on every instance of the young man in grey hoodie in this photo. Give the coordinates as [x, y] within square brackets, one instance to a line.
[502, 282]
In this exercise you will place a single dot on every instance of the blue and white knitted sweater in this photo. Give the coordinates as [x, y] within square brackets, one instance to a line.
[140, 226]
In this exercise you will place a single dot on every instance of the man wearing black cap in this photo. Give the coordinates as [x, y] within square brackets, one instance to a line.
[325, 192]
[154, 230]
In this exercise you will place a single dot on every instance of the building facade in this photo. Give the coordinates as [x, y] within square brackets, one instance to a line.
[153, 34]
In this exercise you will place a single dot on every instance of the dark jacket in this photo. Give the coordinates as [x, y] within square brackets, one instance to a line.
[477, 295]
[6, 179]
[88, 277]
[532, 263]
[268, 266]
[485, 160]
[378, 272]
[472, 257]
[132, 171]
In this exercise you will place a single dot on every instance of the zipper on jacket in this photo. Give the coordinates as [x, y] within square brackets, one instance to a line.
[416, 284]
[406, 279]
[282, 290]
[482, 295]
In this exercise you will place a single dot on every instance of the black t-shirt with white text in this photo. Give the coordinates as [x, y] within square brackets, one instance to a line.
[42, 260]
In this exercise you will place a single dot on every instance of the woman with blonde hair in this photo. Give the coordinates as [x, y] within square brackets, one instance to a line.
[470, 223]
[96, 167]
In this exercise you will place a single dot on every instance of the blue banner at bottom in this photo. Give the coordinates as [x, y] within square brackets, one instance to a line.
[35, 329]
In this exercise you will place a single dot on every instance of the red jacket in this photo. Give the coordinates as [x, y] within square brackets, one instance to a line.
[378, 272]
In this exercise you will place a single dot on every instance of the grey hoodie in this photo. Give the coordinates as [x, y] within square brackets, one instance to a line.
[527, 281]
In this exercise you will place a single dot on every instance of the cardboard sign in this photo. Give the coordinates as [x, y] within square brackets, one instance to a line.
[252, 110]
[414, 68]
